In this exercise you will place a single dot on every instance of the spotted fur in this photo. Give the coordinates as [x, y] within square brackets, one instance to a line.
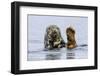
[53, 38]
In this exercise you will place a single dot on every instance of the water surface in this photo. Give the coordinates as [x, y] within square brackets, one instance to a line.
[80, 52]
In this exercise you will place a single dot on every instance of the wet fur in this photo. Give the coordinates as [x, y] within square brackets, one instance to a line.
[53, 38]
[70, 32]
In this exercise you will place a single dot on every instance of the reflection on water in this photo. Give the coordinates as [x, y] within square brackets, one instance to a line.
[70, 54]
[80, 52]
[53, 56]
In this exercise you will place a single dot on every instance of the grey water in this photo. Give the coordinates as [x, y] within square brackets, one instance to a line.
[80, 52]
[37, 25]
